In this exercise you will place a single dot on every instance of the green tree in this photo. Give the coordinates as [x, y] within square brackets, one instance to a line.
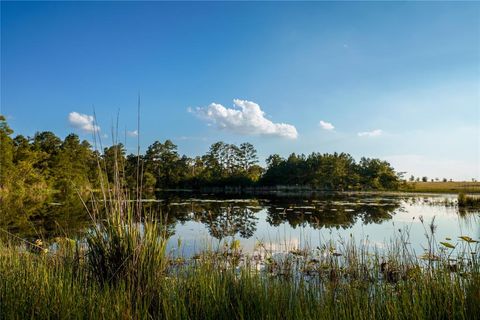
[72, 168]
[113, 163]
[247, 155]
[6, 154]
[162, 160]
[149, 181]
[275, 170]
[20, 178]
[255, 172]
[377, 174]
[214, 163]
[47, 145]
[22, 148]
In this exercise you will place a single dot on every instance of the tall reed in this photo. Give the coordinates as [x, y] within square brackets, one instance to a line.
[126, 242]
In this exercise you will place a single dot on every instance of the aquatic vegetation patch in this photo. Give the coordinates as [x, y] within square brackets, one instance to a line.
[340, 279]
[468, 200]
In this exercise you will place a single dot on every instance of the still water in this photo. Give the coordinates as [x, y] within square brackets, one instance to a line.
[280, 222]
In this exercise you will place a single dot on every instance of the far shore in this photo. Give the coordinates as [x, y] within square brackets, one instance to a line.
[452, 187]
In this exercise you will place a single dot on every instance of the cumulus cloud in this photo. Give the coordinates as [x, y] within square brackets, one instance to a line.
[245, 118]
[133, 133]
[373, 133]
[83, 122]
[326, 125]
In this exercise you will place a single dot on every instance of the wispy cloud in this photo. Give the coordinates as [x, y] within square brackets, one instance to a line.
[373, 133]
[83, 122]
[326, 125]
[193, 138]
[133, 133]
[246, 118]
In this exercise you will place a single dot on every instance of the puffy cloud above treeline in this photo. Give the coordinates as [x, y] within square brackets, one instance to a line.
[246, 118]
[83, 122]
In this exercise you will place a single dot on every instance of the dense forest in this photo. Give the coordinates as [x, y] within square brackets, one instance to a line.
[44, 163]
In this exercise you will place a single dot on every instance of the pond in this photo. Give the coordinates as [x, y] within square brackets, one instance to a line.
[279, 222]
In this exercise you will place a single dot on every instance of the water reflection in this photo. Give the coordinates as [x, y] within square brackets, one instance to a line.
[225, 217]
[331, 214]
[239, 217]
[43, 220]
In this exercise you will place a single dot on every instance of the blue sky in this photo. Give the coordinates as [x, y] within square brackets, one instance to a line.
[397, 81]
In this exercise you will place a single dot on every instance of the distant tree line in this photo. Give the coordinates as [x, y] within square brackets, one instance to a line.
[337, 171]
[30, 167]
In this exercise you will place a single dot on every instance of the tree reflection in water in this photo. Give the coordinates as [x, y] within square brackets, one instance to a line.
[221, 217]
[231, 217]
[46, 220]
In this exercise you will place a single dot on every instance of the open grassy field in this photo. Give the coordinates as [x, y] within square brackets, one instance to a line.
[445, 187]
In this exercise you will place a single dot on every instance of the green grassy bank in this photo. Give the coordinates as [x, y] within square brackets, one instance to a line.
[443, 187]
[347, 282]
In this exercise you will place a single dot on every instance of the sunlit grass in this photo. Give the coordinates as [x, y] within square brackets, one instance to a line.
[443, 187]
[341, 280]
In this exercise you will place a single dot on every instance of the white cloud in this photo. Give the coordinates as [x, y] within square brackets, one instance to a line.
[373, 133]
[191, 138]
[133, 133]
[82, 121]
[326, 125]
[245, 118]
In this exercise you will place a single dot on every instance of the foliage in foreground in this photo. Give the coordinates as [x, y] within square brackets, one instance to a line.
[347, 282]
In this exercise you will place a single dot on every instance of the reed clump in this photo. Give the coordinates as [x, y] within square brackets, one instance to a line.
[468, 200]
[126, 247]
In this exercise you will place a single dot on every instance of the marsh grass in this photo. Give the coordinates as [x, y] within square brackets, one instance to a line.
[468, 200]
[126, 246]
[340, 280]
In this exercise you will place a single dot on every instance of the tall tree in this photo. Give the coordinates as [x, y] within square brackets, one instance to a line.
[114, 162]
[6, 153]
[247, 156]
[72, 166]
[46, 144]
[20, 178]
[161, 159]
